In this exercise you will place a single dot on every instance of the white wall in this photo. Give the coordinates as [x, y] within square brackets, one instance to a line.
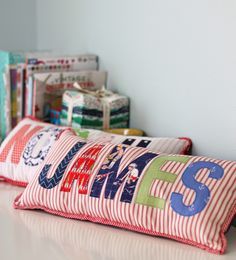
[175, 59]
[18, 25]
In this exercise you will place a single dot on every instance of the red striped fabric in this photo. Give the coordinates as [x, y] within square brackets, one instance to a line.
[180, 145]
[204, 229]
[12, 148]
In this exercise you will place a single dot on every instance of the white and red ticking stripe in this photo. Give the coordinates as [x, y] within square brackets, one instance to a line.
[205, 230]
[180, 145]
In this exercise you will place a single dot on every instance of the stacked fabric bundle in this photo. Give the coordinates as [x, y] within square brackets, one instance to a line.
[87, 110]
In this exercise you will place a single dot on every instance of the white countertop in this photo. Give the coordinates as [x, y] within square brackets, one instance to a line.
[32, 235]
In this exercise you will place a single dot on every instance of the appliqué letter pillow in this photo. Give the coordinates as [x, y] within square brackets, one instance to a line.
[25, 149]
[180, 145]
[189, 199]
[30, 141]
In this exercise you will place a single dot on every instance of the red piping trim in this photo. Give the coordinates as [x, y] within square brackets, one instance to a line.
[139, 229]
[186, 149]
[10, 181]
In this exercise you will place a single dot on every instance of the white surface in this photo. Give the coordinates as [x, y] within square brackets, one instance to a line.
[27, 235]
[18, 25]
[175, 59]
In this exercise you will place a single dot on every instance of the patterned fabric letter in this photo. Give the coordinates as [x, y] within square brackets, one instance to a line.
[202, 193]
[154, 173]
[44, 139]
[49, 183]
[17, 143]
[130, 173]
[81, 170]
[109, 166]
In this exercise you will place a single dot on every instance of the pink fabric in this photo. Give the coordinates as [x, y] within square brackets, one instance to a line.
[14, 169]
[204, 229]
[25, 148]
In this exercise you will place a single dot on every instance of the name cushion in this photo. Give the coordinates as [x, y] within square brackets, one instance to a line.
[181, 145]
[189, 199]
[29, 142]
[25, 148]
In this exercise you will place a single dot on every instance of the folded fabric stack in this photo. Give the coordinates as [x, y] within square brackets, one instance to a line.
[49, 89]
[91, 111]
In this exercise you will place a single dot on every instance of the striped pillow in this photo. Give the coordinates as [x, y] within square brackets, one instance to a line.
[189, 199]
[181, 145]
[25, 148]
[27, 145]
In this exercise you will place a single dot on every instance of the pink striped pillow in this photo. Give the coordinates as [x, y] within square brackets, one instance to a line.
[189, 199]
[25, 148]
[181, 145]
[27, 145]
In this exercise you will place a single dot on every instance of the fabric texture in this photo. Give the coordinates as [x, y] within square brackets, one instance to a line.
[25, 148]
[181, 145]
[88, 111]
[189, 199]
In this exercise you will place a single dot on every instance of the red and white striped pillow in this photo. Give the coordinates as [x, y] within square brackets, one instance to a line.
[25, 148]
[27, 145]
[189, 199]
[181, 145]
